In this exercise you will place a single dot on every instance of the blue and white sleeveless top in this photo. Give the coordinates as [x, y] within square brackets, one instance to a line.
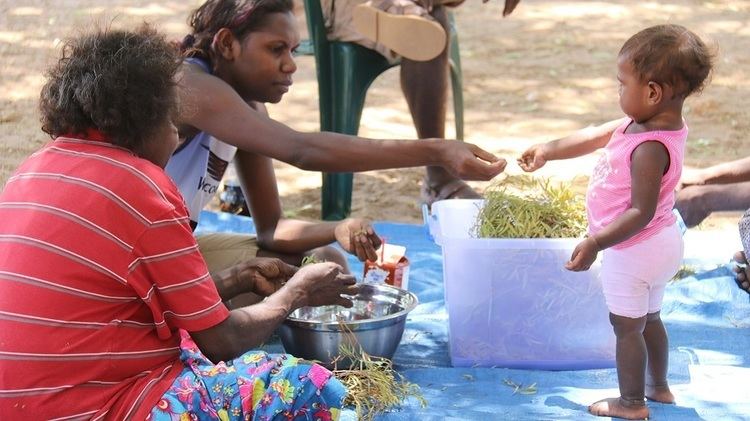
[198, 165]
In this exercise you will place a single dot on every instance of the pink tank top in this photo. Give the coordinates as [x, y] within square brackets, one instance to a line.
[608, 193]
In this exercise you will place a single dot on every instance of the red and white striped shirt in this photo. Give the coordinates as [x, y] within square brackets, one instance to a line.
[98, 270]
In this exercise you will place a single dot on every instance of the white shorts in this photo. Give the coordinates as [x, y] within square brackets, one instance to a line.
[634, 278]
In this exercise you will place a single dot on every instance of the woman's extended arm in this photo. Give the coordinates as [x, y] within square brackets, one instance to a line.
[736, 171]
[211, 105]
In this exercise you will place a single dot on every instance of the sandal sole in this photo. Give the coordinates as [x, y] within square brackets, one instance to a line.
[412, 37]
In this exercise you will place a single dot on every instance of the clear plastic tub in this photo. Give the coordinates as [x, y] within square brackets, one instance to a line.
[511, 303]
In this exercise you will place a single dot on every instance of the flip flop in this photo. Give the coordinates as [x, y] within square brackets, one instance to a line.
[412, 36]
[456, 189]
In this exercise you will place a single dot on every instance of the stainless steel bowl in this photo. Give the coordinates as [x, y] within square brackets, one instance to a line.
[376, 320]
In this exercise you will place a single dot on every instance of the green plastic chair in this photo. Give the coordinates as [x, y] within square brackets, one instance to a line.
[345, 71]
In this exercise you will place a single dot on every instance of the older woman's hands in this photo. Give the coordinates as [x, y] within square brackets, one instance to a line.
[357, 237]
[322, 284]
[265, 275]
[260, 275]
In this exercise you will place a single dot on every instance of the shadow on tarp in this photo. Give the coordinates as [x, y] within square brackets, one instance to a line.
[707, 318]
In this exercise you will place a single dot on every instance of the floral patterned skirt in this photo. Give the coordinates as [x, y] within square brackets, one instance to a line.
[255, 386]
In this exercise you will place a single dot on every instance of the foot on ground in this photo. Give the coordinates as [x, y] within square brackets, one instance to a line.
[742, 271]
[659, 394]
[455, 189]
[617, 407]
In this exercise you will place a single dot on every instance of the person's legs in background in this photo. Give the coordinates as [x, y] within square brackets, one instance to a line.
[741, 267]
[424, 83]
[425, 87]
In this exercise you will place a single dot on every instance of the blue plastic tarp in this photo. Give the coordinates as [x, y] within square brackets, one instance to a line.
[706, 315]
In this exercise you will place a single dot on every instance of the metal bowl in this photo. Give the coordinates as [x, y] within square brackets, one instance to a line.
[376, 321]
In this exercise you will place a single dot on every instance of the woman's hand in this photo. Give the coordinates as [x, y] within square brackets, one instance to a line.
[263, 275]
[248, 327]
[322, 284]
[583, 255]
[533, 158]
[469, 162]
[357, 237]
[691, 177]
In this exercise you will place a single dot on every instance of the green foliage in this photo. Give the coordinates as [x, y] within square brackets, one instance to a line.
[309, 260]
[526, 207]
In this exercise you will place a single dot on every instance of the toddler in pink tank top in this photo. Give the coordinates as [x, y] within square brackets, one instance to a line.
[630, 200]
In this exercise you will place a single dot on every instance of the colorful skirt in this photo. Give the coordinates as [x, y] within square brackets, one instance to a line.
[255, 386]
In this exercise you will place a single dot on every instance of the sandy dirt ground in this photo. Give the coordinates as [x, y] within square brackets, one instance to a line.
[543, 72]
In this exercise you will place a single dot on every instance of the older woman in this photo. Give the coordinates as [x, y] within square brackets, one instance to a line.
[107, 309]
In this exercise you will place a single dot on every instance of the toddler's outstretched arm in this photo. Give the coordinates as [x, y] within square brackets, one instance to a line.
[577, 144]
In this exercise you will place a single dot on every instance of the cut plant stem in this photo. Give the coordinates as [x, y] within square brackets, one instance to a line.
[526, 207]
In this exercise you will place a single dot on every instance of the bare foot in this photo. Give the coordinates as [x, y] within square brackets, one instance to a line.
[454, 189]
[617, 407]
[742, 271]
[659, 394]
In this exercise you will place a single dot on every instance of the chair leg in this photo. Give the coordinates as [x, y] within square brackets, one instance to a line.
[336, 196]
[352, 71]
[456, 79]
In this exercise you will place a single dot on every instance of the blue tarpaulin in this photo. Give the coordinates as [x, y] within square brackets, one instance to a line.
[706, 315]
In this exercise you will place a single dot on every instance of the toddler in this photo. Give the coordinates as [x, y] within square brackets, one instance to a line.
[629, 202]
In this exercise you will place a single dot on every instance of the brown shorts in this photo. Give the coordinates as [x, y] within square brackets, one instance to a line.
[224, 250]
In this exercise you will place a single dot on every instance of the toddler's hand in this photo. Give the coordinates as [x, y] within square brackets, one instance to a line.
[533, 158]
[583, 255]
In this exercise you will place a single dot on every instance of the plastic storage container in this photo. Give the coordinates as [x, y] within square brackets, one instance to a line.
[511, 303]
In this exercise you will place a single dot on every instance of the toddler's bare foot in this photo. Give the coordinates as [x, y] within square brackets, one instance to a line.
[659, 394]
[618, 407]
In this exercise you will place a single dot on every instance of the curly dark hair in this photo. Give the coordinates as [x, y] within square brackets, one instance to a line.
[239, 16]
[121, 83]
[670, 54]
